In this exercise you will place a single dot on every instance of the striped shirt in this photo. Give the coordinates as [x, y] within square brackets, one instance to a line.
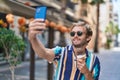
[66, 68]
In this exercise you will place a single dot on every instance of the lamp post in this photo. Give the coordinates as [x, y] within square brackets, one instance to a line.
[50, 45]
[32, 64]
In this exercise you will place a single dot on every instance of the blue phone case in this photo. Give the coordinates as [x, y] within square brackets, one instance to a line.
[41, 12]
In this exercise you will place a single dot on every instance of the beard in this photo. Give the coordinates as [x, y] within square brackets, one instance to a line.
[83, 43]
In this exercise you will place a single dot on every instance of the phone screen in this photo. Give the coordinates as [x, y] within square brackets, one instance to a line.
[41, 12]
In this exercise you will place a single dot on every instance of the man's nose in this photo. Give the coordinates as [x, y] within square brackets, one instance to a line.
[75, 35]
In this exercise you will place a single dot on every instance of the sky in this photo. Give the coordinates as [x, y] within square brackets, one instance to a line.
[116, 9]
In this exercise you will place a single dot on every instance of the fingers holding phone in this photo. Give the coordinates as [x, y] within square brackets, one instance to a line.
[37, 26]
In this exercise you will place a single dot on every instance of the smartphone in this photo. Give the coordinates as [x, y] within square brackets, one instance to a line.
[41, 12]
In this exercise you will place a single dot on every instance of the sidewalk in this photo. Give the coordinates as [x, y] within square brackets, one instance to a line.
[110, 65]
[22, 71]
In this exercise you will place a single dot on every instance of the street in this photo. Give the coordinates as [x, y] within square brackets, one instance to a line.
[22, 71]
[110, 64]
[109, 67]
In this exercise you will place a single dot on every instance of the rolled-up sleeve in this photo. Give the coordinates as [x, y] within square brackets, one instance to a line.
[96, 69]
[57, 52]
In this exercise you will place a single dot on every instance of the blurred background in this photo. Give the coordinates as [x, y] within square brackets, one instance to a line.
[103, 16]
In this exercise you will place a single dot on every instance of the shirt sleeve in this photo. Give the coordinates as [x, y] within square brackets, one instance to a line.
[96, 69]
[57, 52]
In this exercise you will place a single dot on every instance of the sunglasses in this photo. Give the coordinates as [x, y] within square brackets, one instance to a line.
[79, 33]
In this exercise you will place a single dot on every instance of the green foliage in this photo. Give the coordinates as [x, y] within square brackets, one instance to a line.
[94, 2]
[112, 29]
[84, 1]
[12, 45]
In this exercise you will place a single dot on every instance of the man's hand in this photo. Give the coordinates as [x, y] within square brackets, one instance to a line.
[36, 26]
[81, 65]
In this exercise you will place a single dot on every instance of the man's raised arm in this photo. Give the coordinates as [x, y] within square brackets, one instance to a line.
[37, 26]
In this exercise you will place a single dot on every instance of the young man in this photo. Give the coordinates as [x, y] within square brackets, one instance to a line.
[73, 62]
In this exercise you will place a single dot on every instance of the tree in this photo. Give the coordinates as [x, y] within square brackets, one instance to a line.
[97, 3]
[13, 47]
[112, 30]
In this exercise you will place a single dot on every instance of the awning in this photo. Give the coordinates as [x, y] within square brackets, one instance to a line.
[19, 9]
[9, 6]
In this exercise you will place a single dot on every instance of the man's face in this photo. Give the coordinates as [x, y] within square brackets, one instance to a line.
[78, 37]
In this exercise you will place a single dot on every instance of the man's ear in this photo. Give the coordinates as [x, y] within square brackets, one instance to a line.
[88, 38]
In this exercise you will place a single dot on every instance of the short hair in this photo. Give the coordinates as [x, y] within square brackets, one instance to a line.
[85, 24]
